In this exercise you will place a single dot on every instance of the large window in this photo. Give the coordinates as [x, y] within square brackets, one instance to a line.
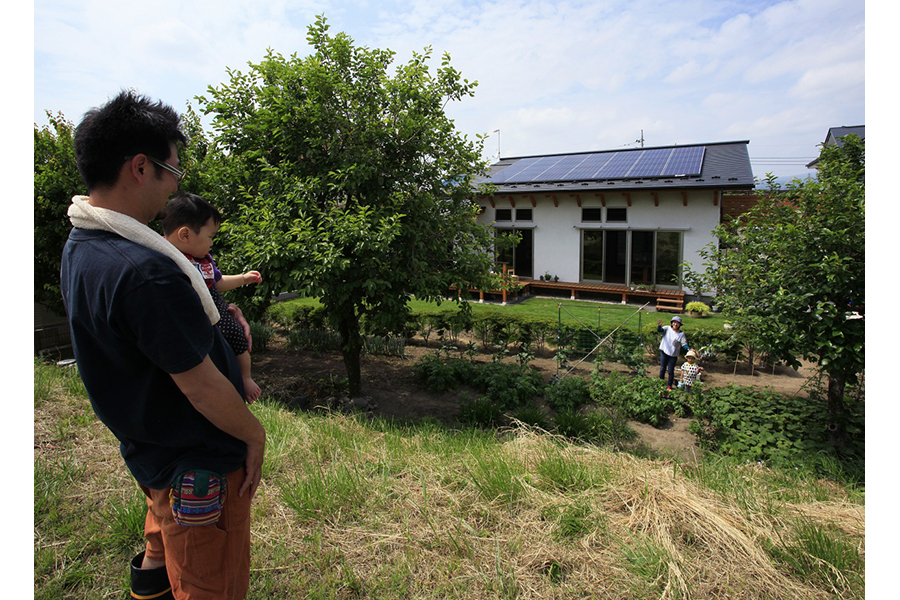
[631, 257]
[521, 258]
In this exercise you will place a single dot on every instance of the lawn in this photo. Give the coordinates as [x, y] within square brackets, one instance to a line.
[553, 309]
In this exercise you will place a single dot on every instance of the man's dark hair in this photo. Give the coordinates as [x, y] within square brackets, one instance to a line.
[128, 124]
[188, 209]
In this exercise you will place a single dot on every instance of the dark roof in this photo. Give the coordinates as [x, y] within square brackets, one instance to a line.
[835, 135]
[722, 165]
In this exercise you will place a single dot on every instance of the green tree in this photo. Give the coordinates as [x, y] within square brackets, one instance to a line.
[790, 274]
[56, 180]
[350, 183]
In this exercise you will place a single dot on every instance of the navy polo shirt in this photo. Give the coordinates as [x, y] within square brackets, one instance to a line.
[136, 320]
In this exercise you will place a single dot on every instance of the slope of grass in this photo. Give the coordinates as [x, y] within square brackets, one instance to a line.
[357, 508]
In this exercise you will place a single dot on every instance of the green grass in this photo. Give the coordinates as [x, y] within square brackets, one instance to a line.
[591, 314]
[351, 507]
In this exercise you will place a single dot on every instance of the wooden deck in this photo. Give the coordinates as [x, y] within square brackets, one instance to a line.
[665, 299]
[671, 300]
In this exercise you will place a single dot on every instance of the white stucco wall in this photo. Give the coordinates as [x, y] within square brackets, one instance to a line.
[557, 229]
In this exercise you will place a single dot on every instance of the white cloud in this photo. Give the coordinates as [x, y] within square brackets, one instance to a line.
[554, 76]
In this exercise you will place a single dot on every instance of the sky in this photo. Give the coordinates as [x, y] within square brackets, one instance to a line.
[553, 77]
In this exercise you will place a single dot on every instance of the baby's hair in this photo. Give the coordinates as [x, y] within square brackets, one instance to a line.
[186, 209]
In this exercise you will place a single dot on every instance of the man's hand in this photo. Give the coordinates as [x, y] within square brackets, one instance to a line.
[239, 317]
[253, 465]
[214, 397]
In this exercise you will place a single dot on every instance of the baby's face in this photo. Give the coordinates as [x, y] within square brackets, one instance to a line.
[692, 359]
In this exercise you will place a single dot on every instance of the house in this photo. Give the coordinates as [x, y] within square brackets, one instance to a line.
[615, 223]
[834, 136]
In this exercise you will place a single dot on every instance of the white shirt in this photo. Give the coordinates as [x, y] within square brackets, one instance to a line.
[672, 341]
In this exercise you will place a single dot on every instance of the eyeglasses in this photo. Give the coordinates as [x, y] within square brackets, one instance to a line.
[178, 173]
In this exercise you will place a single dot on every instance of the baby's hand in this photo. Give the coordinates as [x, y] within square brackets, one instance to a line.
[252, 277]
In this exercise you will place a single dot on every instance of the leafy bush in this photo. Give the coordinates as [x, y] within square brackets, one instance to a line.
[762, 425]
[480, 412]
[643, 399]
[698, 307]
[567, 393]
[291, 315]
[509, 384]
[442, 375]
[646, 400]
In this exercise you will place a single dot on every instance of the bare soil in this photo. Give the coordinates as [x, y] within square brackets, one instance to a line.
[306, 379]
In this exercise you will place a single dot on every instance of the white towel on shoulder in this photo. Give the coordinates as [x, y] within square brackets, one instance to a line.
[85, 216]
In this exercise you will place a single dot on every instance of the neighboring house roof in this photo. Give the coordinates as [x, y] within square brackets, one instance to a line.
[835, 134]
[721, 165]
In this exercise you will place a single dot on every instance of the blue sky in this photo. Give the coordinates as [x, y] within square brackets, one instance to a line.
[553, 76]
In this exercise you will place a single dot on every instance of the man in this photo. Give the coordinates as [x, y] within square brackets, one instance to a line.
[157, 371]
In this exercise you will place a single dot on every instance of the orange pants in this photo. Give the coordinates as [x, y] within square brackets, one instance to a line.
[204, 562]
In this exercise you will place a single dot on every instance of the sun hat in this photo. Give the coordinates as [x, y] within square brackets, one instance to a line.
[693, 353]
[676, 318]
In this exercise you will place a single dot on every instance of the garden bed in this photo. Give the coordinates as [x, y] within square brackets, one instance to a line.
[306, 378]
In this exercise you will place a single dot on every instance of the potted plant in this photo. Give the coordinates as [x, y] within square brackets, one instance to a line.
[697, 309]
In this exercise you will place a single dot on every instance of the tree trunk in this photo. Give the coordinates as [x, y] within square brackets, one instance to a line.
[351, 348]
[837, 417]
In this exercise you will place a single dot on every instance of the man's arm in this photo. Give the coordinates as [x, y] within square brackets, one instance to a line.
[214, 397]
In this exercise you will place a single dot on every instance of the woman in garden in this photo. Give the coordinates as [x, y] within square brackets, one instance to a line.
[670, 347]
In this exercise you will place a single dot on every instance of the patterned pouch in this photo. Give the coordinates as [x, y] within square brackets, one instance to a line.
[197, 497]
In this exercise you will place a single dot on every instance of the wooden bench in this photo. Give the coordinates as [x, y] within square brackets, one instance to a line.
[672, 304]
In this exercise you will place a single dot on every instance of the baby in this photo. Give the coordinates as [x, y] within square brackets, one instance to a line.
[190, 223]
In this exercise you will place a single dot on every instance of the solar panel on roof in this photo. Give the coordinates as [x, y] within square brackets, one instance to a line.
[620, 164]
[651, 163]
[560, 170]
[511, 172]
[589, 165]
[687, 161]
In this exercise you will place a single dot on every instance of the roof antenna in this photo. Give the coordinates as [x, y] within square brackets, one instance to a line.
[641, 141]
[497, 131]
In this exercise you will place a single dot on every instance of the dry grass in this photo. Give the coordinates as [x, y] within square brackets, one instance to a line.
[431, 513]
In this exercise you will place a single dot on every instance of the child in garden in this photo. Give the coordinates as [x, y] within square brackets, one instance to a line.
[190, 223]
[670, 347]
[690, 371]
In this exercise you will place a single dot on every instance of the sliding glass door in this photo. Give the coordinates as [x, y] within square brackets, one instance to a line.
[629, 257]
